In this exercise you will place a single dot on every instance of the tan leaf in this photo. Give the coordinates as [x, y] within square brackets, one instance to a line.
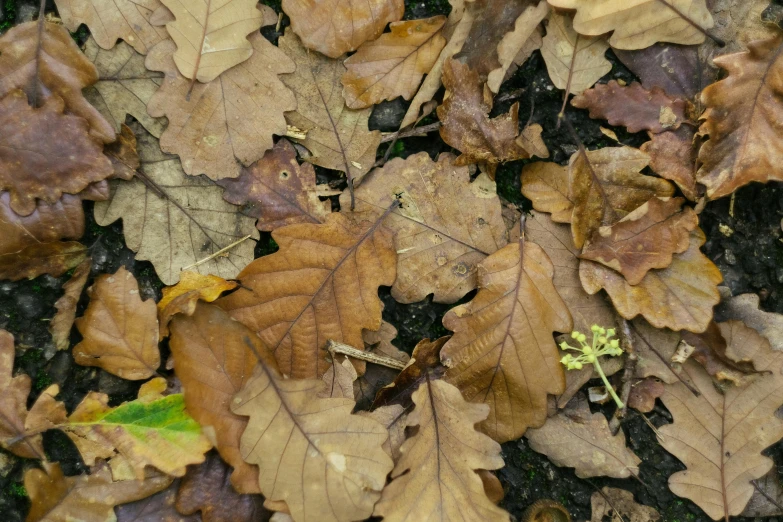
[546, 185]
[679, 297]
[120, 330]
[423, 364]
[324, 463]
[332, 27]
[436, 476]
[633, 106]
[211, 37]
[502, 353]
[619, 504]
[44, 62]
[637, 24]
[337, 137]
[576, 438]
[746, 308]
[227, 123]
[655, 348]
[438, 243]
[673, 157]
[741, 120]
[177, 220]
[62, 322]
[560, 45]
[326, 280]
[158, 507]
[339, 379]
[394, 64]
[392, 417]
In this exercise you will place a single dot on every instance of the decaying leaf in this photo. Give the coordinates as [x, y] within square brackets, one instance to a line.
[62, 322]
[394, 64]
[120, 330]
[643, 394]
[677, 69]
[156, 508]
[424, 363]
[546, 185]
[337, 137]
[333, 27]
[502, 353]
[746, 308]
[53, 258]
[438, 243]
[559, 46]
[710, 348]
[673, 157]
[226, 123]
[620, 505]
[655, 349]
[376, 376]
[177, 220]
[278, 190]
[637, 24]
[767, 499]
[211, 37]
[576, 438]
[436, 477]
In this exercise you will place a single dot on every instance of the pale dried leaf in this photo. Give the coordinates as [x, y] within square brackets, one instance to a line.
[746, 308]
[620, 505]
[339, 379]
[62, 322]
[392, 417]
[546, 185]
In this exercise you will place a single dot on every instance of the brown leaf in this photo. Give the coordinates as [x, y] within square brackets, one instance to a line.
[124, 158]
[277, 190]
[156, 508]
[767, 499]
[645, 239]
[673, 157]
[53, 258]
[502, 352]
[643, 394]
[633, 106]
[120, 330]
[655, 348]
[322, 284]
[546, 185]
[620, 505]
[576, 438]
[677, 69]
[333, 27]
[393, 419]
[710, 347]
[439, 244]
[746, 308]
[436, 476]
[339, 379]
[45, 153]
[62, 322]
[377, 376]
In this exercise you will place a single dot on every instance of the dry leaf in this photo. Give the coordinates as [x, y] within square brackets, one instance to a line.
[209, 288]
[576, 438]
[62, 322]
[393, 419]
[435, 478]
[655, 349]
[767, 499]
[211, 37]
[673, 157]
[54, 258]
[502, 353]
[558, 48]
[394, 64]
[337, 137]
[709, 349]
[438, 243]
[377, 376]
[156, 508]
[189, 224]
[120, 330]
[643, 394]
[45, 153]
[545, 184]
[125, 163]
[424, 363]
[339, 379]
[620, 505]
[333, 27]
[633, 106]
[636, 24]
[227, 123]
[677, 69]
[278, 190]
[322, 284]
[746, 308]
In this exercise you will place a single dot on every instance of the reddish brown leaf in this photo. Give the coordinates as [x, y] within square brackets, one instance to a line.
[643, 394]
[123, 155]
[62, 322]
[673, 68]
[376, 376]
[673, 157]
[709, 349]
[425, 360]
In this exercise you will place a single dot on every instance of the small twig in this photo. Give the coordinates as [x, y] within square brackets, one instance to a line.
[652, 427]
[219, 252]
[334, 347]
[626, 341]
[416, 131]
[511, 95]
[765, 494]
[668, 364]
[694, 24]
[561, 114]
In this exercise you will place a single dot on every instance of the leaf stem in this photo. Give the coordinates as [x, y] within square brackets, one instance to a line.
[606, 383]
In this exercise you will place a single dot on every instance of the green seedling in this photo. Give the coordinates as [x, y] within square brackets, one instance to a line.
[589, 354]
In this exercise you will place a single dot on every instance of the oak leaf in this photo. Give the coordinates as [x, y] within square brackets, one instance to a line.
[339, 379]
[226, 123]
[673, 157]
[423, 364]
[392, 417]
[677, 69]
[435, 478]
[643, 394]
[394, 64]
[438, 244]
[636, 24]
[155, 508]
[620, 505]
[502, 352]
[545, 184]
[62, 322]
[746, 308]
[183, 297]
[53, 258]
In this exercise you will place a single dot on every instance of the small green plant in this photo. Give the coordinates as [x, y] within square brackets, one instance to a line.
[589, 354]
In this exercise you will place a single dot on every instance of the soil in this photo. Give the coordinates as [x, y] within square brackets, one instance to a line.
[744, 240]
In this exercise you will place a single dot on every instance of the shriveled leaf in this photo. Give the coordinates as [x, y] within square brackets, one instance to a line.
[620, 505]
[333, 27]
[576, 438]
[177, 220]
[278, 190]
[435, 478]
[424, 363]
[502, 353]
[655, 348]
[394, 64]
[156, 508]
[62, 322]
[560, 45]
[643, 394]
[673, 157]
[53, 258]
[227, 123]
[633, 106]
[120, 330]
[709, 349]
[636, 24]
[337, 137]
[546, 185]
[45, 153]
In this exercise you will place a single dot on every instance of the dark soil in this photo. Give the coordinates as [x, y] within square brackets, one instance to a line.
[746, 246]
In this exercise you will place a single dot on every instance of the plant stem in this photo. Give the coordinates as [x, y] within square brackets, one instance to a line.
[606, 383]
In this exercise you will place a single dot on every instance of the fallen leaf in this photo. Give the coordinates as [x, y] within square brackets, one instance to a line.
[767, 498]
[545, 184]
[177, 220]
[156, 508]
[393, 419]
[62, 322]
[620, 505]
[436, 477]
[559, 46]
[278, 190]
[746, 308]
[673, 157]
[45, 153]
[424, 363]
[492, 486]
[339, 379]
[124, 159]
[207, 287]
[633, 106]
[54, 258]
[655, 348]
[394, 64]
[438, 243]
[226, 123]
[377, 376]
[337, 137]
[576, 438]
[710, 350]
[636, 24]
[333, 27]
[677, 69]
[120, 330]
[502, 352]
[643, 394]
